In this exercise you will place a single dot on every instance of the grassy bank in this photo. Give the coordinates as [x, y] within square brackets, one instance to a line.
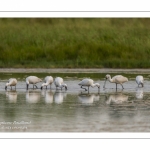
[75, 43]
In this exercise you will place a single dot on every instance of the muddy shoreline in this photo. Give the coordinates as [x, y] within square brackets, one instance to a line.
[68, 70]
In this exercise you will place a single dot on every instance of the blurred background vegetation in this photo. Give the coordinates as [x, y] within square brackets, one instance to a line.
[75, 42]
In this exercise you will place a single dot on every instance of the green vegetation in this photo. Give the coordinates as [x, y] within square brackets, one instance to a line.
[75, 42]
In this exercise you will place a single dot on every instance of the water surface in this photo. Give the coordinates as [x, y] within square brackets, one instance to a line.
[74, 110]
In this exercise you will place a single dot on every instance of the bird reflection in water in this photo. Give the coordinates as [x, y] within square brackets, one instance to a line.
[32, 96]
[12, 96]
[59, 96]
[117, 98]
[88, 98]
[139, 93]
[48, 96]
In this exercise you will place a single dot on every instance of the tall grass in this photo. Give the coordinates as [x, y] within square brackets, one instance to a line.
[75, 42]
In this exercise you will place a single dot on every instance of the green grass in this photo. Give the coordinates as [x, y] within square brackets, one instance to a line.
[75, 42]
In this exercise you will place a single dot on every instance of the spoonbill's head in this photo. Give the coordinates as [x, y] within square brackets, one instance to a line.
[108, 76]
[98, 85]
[27, 85]
[42, 85]
[40, 80]
[142, 84]
[6, 86]
[65, 85]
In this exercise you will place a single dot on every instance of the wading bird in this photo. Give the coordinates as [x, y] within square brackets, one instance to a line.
[32, 80]
[139, 80]
[88, 82]
[118, 79]
[48, 81]
[11, 82]
[59, 83]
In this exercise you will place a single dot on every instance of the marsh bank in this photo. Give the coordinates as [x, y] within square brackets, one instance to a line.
[76, 70]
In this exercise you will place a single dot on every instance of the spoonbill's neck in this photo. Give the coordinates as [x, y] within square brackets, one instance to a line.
[7, 84]
[61, 85]
[110, 79]
[95, 84]
[45, 84]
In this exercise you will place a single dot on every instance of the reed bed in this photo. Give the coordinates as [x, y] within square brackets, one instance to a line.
[75, 42]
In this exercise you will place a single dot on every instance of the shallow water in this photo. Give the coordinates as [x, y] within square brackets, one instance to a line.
[75, 110]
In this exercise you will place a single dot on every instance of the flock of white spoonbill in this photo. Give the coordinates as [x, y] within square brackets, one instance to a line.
[59, 83]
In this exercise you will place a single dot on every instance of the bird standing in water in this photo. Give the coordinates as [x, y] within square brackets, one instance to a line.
[88, 82]
[118, 79]
[60, 83]
[11, 82]
[139, 80]
[48, 81]
[32, 80]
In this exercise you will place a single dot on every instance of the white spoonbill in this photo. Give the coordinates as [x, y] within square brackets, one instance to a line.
[11, 82]
[60, 83]
[118, 79]
[48, 81]
[88, 82]
[32, 80]
[139, 80]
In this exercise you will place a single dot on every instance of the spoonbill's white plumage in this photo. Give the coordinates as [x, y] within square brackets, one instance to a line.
[11, 82]
[88, 82]
[48, 81]
[139, 80]
[32, 80]
[118, 79]
[59, 83]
